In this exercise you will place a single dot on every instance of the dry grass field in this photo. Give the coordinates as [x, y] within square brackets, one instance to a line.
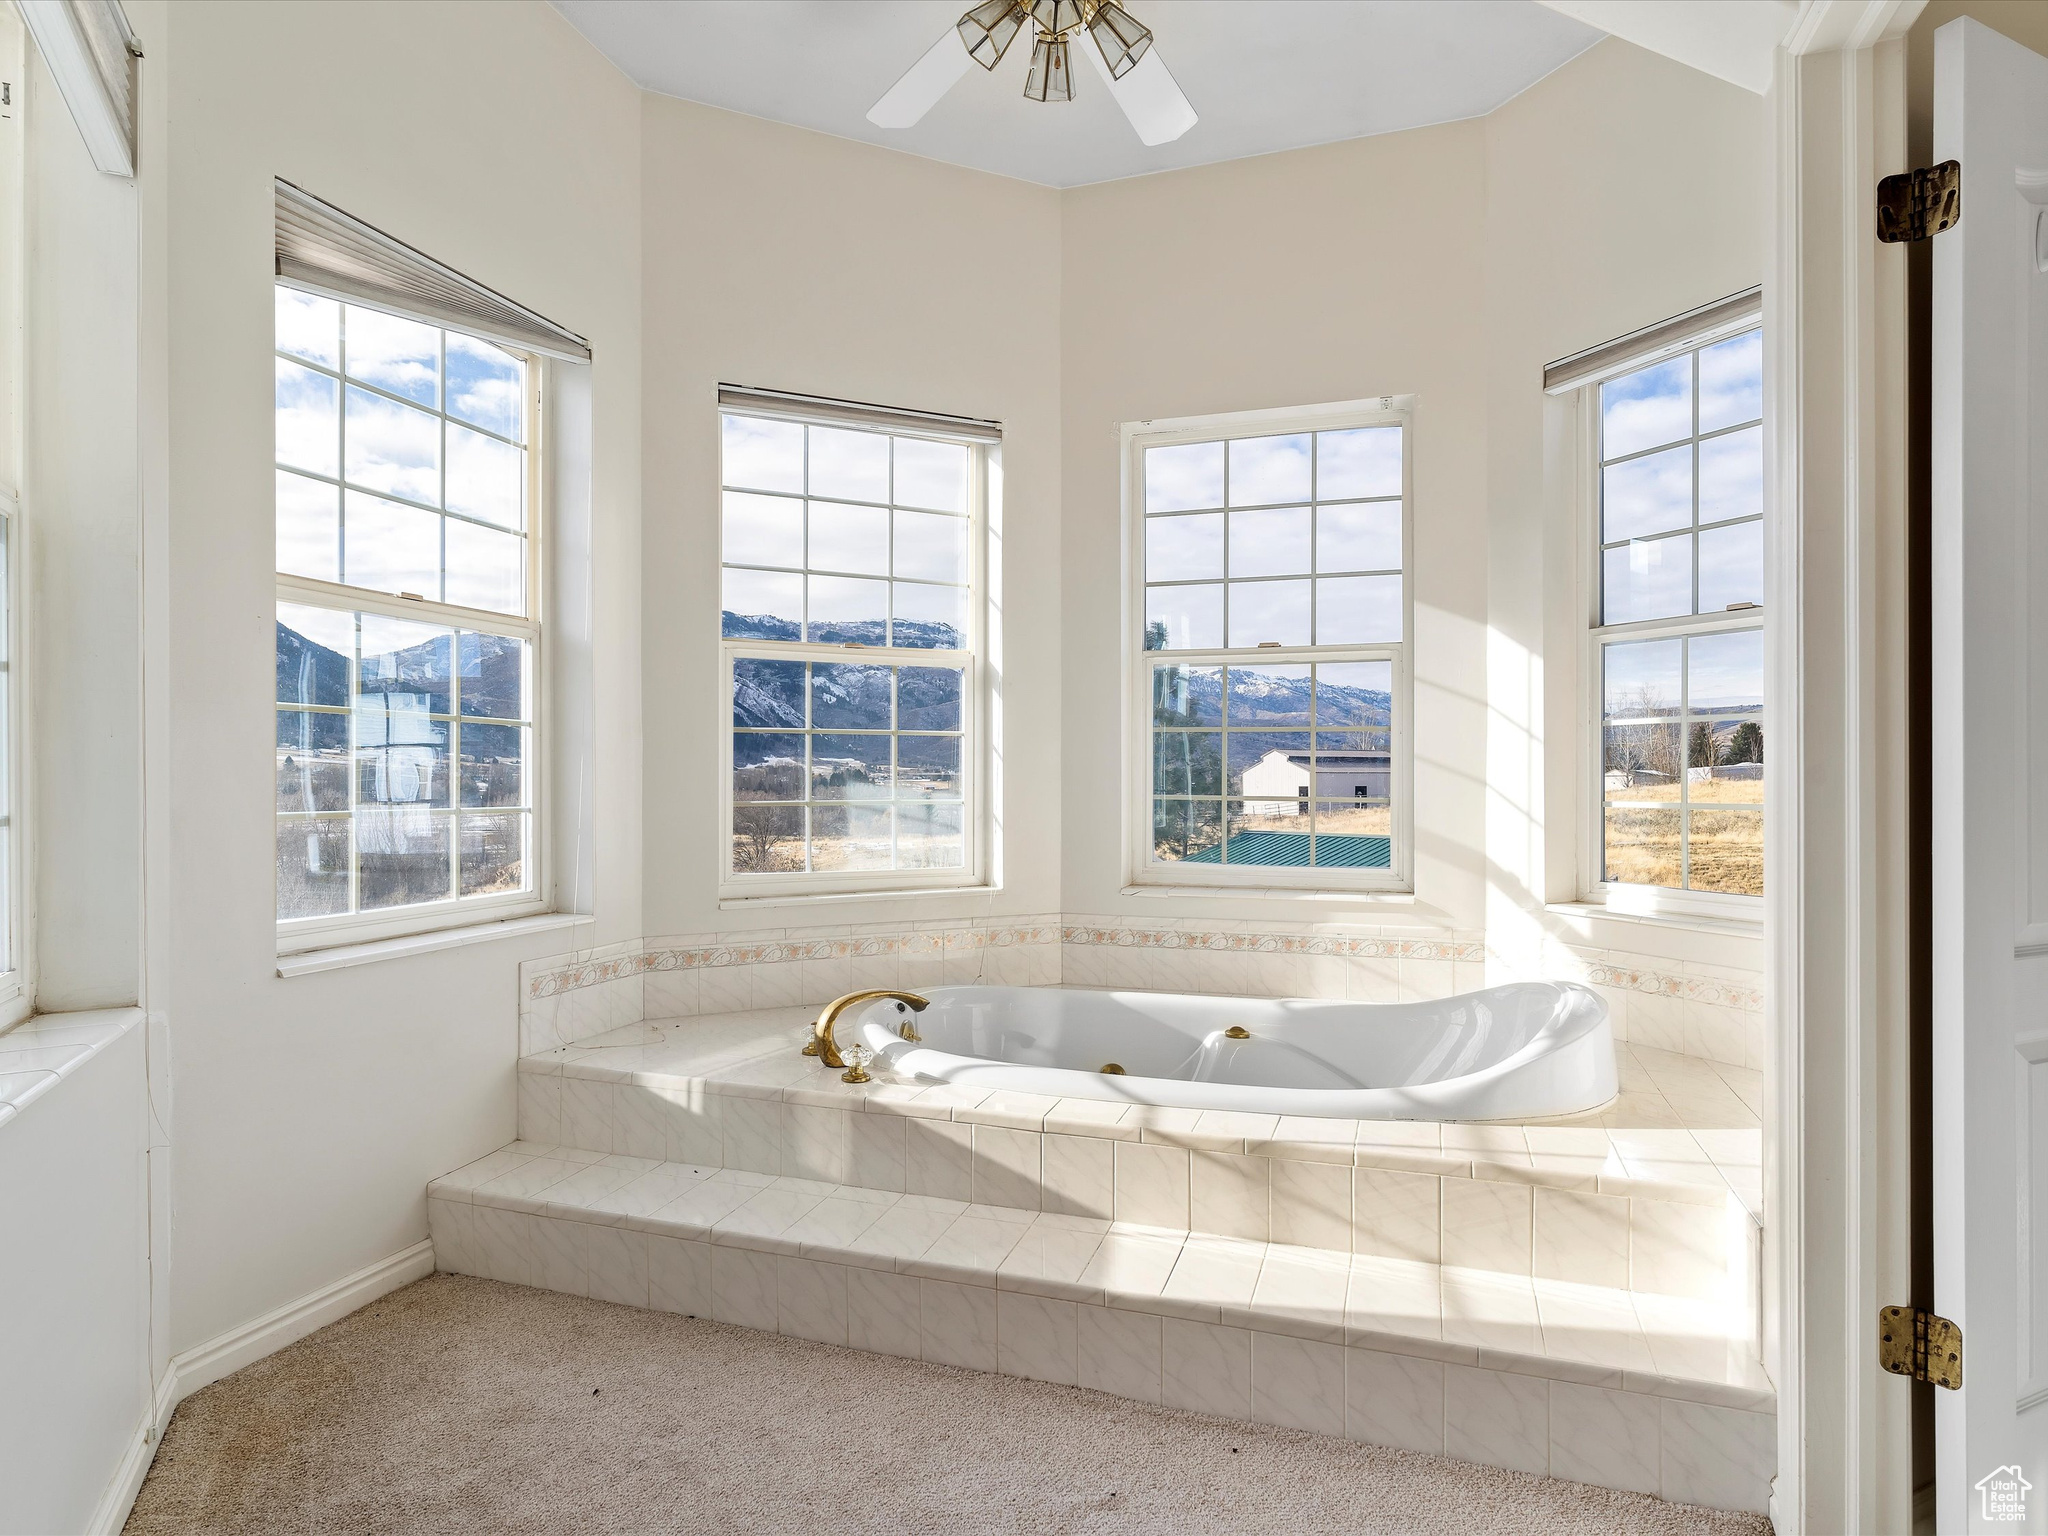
[1338, 819]
[1727, 835]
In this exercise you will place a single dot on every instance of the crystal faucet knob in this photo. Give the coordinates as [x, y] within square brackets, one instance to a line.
[857, 1057]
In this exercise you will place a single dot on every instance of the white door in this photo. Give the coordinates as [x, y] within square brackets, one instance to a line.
[1988, 761]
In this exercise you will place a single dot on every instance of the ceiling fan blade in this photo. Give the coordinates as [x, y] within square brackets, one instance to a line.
[1150, 96]
[922, 84]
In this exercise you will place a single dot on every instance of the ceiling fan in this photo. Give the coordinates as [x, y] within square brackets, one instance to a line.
[1123, 55]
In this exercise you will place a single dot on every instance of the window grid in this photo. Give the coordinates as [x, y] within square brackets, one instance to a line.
[786, 823]
[1229, 581]
[444, 420]
[892, 809]
[1631, 744]
[1696, 527]
[1695, 440]
[804, 499]
[1682, 726]
[1317, 843]
[1180, 746]
[359, 756]
[504, 875]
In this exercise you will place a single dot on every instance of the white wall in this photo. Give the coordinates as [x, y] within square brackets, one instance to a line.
[1281, 281]
[74, 1276]
[80, 566]
[1451, 262]
[1622, 190]
[695, 247]
[73, 1289]
[792, 260]
[311, 1112]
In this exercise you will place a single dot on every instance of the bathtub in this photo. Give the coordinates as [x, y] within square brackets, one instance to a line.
[1525, 1050]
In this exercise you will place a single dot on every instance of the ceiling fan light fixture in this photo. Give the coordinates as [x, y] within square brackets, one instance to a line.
[1122, 38]
[1050, 79]
[1058, 17]
[990, 28]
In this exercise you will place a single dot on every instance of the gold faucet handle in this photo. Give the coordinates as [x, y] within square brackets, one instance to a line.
[824, 1047]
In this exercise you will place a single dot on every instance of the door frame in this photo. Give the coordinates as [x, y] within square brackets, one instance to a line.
[1837, 1112]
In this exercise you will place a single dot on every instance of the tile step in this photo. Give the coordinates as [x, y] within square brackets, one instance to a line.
[699, 1062]
[579, 1220]
[1209, 1174]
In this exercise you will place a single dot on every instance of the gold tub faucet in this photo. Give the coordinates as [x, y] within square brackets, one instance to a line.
[821, 1043]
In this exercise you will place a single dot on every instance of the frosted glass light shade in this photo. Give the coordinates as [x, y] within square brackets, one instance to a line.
[989, 29]
[1122, 38]
[1050, 79]
[1056, 16]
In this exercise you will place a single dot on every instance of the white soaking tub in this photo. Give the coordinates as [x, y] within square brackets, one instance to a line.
[1526, 1050]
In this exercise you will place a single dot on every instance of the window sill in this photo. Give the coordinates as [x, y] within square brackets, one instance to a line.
[832, 898]
[1273, 893]
[1728, 927]
[341, 955]
[40, 1052]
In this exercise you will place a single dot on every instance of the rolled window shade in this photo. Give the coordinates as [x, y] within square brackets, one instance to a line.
[1653, 343]
[322, 248]
[91, 51]
[881, 418]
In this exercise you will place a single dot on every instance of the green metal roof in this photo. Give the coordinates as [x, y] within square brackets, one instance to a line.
[1291, 850]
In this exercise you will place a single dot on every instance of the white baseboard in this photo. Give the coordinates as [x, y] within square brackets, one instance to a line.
[119, 1498]
[207, 1363]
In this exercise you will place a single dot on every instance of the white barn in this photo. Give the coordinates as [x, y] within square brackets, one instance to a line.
[1337, 776]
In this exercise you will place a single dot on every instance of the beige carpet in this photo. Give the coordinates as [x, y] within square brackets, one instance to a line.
[461, 1405]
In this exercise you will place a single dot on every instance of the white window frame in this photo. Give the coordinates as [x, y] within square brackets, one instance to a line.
[17, 996]
[1621, 897]
[984, 459]
[17, 924]
[300, 935]
[1140, 868]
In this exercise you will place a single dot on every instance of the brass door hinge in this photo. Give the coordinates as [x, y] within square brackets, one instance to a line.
[1920, 1345]
[1916, 204]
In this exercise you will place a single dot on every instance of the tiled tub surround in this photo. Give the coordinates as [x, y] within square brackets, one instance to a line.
[1715, 1012]
[1712, 1012]
[728, 1090]
[564, 999]
[1574, 1297]
[1635, 1390]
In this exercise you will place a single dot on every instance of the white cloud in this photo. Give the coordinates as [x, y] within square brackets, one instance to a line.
[393, 448]
[306, 435]
[1266, 470]
[1365, 461]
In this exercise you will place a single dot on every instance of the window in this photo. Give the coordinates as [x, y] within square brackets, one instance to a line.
[407, 624]
[1677, 639]
[1271, 660]
[851, 640]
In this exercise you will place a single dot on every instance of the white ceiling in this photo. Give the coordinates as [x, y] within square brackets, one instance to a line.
[1264, 75]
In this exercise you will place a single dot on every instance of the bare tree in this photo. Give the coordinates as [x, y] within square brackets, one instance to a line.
[757, 829]
[1644, 745]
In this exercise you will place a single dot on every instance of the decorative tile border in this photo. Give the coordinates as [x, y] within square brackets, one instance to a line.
[632, 960]
[1712, 990]
[1222, 941]
[931, 943]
